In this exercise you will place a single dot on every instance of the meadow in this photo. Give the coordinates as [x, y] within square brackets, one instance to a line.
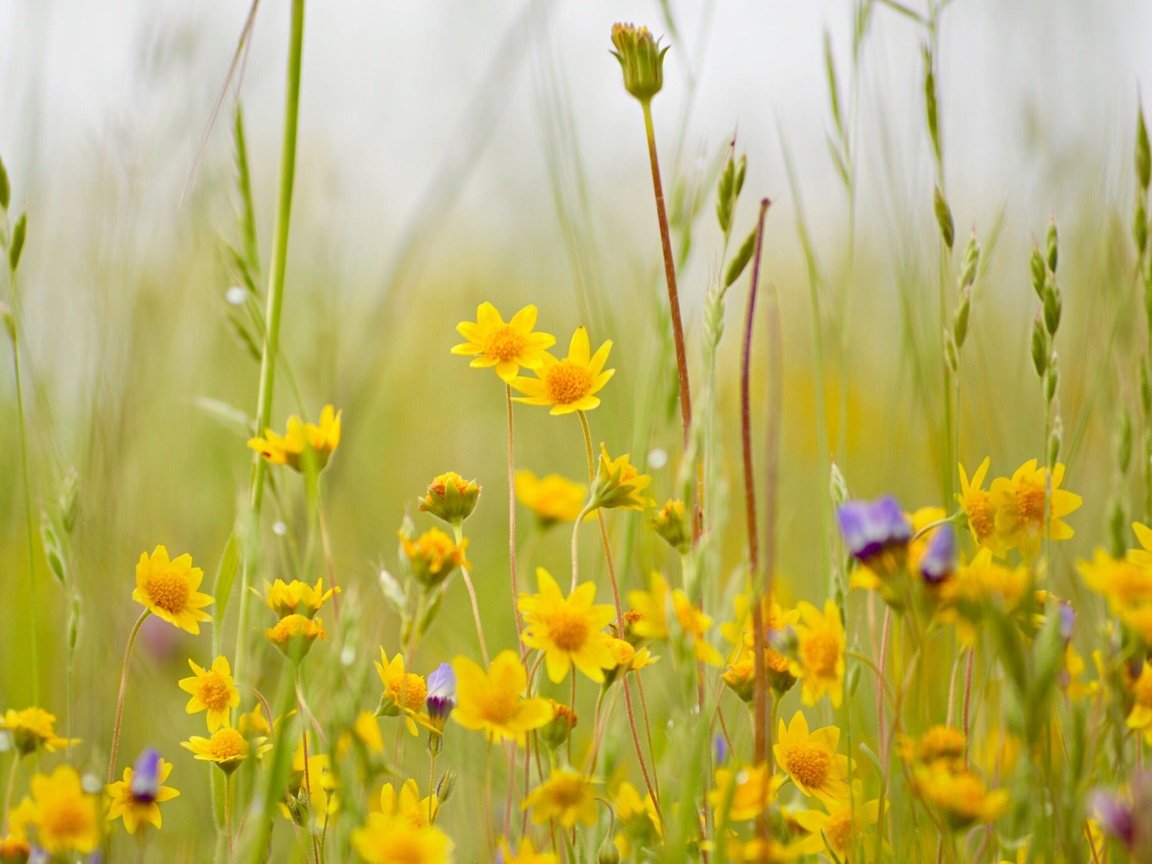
[721, 516]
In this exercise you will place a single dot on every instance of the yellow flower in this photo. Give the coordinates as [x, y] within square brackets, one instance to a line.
[940, 743]
[840, 825]
[212, 690]
[394, 840]
[741, 671]
[1143, 555]
[652, 606]
[566, 796]
[527, 854]
[744, 793]
[320, 439]
[695, 625]
[507, 347]
[167, 589]
[14, 846]
[294, 634]
[632, 809]
[314, 789]
[492, 700]
[227, 748]
[570, 384]
[408, 805]
[810, 759]
[977, 505]
[552, 498]
[138, 800]
[1140, 718]
[433, 556]
[960, 795]
[33, 728]
[619, 483]
[254, 722]
[65, 816]
[1019, 505]
[451, 497]
[820, 653]
[567, 630]
[296, 597]
[403, 691]
[670, 524]
[1125, 582]
[367, 731]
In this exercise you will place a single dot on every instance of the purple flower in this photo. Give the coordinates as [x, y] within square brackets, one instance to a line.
[1067, 620]
[720, 749]
[870, 527]
[441, 692]
[1116, 817]
[146, 777]
[939, 561]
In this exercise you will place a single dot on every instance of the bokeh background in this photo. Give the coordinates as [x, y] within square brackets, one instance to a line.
[454, 152]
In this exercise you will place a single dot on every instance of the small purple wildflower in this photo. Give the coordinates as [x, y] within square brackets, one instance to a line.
[441, 692]
[939, 561]
[146, 777]
[870, 527]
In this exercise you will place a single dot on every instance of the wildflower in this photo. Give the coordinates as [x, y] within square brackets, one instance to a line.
[840, 827]
[566, 796]
[1123, 815]
[810, 759]
[297, 597]
[553, 498]
[294, 634]
[939, 560]
[137, 798]
[407, 804]
[440, 701]
[819, 662]
[14, 846]
[959, 794]
[619, 484]
[319, 439]
[670, 525]
[367, 732]
[254, 722]
[778, 628]
[64, 815]
[975, 585]
[872, 529]
[567, 629]
[32, 729]
[395, 840]
[1020, 506]
[1143, 555]
[451, 497]
[433, 556]
[1140, 718]
[943, 744]
[976, 503]
[526, 854]
[167, 589]
[652, 606]
[557, 730]
[227, 748]
[314, 785]
[695, 625]
[570, 384]
[1124, 582]
[641, 59]
[492, 700]
[506, 347]
[743, 794]
[213, 691]
[404, 692]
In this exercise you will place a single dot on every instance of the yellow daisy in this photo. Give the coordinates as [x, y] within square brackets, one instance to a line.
[820, 653]
[566, 796]
[407, 803]
[841, 826]
[32, 729]
[321, 438]
[314, 790]
[213, 691]
[526, 854]
[492, 700]
[404, 692]
[744, 793]
[294, 634]
[1124, 582]
[505, 347]
[619, 483]
[652, 608]
[810, 759]
[960, 795]
[1140, 717]
[137, 798]
[65, 816]
[567, 629]
[552, 498]
[570, 384]
[976, 502]
[433, 556]
[167, 589]
[387, 839]
[1019, 505]
[296, 597]
[227, 748]
[450, 497]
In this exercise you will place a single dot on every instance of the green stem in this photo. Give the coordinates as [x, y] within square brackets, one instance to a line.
[10, 788]
[512, 516]
[275, 303]
[459, 532]
[123, 693]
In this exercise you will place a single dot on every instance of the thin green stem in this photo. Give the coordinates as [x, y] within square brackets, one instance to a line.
[10, 788]
[512, 516]
[459, 532]
[29, 527]
[123, 693]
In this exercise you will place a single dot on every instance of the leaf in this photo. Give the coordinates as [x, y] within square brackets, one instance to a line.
[740, 259]
[226, 575]
[17, 244]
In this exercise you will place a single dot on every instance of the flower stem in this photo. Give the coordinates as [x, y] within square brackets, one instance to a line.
[472, 597]
[123, 692]
[512, 516]
[228, 811]
[275, 303]
[10, 788]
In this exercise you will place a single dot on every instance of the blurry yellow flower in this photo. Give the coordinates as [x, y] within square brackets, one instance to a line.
[137, 799]
[320, 438]
[742, 794]
[841, 825]
[1124, 582]
[652, 606]
[552, 498]
[570, 384]
[294, 634]
[506, 347]
[695, 625]
[959, 794]
[65, 816]
[493, 701]
[1020, 504]
[982, 581]
[819, 660]
[32, 729]
[403, 691]
[566, 796]
[394, 840]
[619, 484]
[670, 524]
[631, 809]
[567, 629]
[1143, 555]
[810, 759]
[227, 748]
[14, 846]
[167, 589]
[212, 690]
[314, 791]
[451, 497]
[297, 597]
[1140, 718]
[367, 730]
[407, 804]
[254, 723]
[977, 505]
[433, 556]
[526, 854]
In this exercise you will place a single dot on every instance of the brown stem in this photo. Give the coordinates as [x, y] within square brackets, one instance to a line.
[123, 693]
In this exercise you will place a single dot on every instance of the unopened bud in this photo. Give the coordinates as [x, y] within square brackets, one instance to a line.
[641, 59]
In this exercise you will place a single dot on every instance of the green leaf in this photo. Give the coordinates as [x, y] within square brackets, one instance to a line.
[16, 246]
[226, 576]
[740, 259]
[1143, 159]
[5, 188]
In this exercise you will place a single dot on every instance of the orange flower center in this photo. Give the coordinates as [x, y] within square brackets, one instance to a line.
[567, 383]
[408, 691]
[65, 817]
[821, 651]
[566, 792]
[839, 832]
[403, 849]
[1030, 502]
[498, 705]
[809, 765]
[980, 516]
[568, 628]
[168, 589]
[941, 742]
[214, 691]
[505, 343]
[775, 661]
[226, 745]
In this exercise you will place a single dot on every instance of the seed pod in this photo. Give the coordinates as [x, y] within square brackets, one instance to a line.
[1053, 255]
[960, 318]
[943, 217]
[1143, 160]
[1039, 346]
[1140, 226]
[1039, 273]
[1053, 305]
[971, 262]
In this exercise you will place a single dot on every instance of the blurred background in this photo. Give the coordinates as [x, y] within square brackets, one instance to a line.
[456, 152]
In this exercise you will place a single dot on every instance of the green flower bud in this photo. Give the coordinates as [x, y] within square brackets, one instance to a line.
[669, 524]
[451, 497]
[641, 59]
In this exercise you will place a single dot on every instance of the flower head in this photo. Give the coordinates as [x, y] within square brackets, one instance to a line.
[819, 662]
[939, 559]
[294, 634]
[959, 794]
[441, 697]
[839, 828]
[552, 498]
[810, 759]
[404, 692]
[167, 589]
[505, 347]
[407, 804]
[1020, 507]
[296, 597]
[872, 528]
[744, 793]
[619, 483]
[641, 60]
[670, 524]
[137, 798]
[451, 497]
[433, 556]
[213, 691]
[567, 629]
[651, 609]
[977, 504]
[32, 729]
[319, 439]
[227, 748]
[64, 815]
[695, 625]
[566, 796]
[395, 840]
[570, 384]
[526, 854]
[492, 700]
